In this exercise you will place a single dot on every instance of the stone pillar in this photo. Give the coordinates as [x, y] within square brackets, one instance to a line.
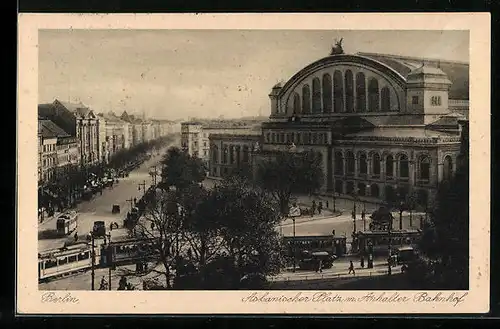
[344, 108]
[356, 165]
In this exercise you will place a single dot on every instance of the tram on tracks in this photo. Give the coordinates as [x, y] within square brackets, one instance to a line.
[67, 223]
[57, 263]
[334, 245]
[65, 261]
[129, 251]
[378, 241]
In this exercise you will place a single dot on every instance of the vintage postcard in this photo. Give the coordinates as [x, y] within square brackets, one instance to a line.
[253, 163]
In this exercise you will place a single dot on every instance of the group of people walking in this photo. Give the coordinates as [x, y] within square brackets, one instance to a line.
[317, 207]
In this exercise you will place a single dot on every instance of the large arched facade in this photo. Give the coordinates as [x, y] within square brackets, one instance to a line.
[344, 84]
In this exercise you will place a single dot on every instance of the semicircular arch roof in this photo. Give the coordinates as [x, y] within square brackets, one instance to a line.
[336, 59]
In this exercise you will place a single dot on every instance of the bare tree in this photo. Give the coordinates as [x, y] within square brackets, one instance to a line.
[161, 224]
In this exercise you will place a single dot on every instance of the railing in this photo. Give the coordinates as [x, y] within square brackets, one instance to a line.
[323, 276]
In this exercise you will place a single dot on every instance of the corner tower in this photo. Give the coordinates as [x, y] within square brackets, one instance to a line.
[427, 92]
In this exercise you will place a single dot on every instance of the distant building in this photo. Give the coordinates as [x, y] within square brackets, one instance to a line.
[195, 136]
[78, 121]
[59, 150]
[230, 153]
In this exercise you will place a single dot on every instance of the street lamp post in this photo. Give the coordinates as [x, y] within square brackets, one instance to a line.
[401, 205]
[389, 259]
[110, 260]
[294, 250]
[93, 262]
[143, 185]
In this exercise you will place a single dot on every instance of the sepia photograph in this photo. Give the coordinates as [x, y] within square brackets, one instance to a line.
[322, 160]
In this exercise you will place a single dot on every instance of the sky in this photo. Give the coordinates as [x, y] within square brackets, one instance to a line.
[178, 74]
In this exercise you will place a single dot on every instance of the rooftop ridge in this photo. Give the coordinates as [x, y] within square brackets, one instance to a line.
[412, 58]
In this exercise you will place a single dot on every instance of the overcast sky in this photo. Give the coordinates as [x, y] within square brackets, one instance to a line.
[174, 74]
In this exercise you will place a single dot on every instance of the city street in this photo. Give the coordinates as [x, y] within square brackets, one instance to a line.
[99, 208]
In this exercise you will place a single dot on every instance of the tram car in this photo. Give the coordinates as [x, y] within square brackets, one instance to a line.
[318, 243]
[378, 241]
[128, 251]
[66, 260]
[67, 223]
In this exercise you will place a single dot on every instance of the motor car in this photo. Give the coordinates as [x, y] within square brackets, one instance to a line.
[99, 229]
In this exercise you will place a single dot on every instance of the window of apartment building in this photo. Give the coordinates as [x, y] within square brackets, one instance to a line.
[436, 100]
[314, 138]
[268, 137]
[414, 100]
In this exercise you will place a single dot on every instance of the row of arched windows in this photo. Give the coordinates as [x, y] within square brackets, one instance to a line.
[374, 190]
[324, 99]
[398, 166]
[230, 154]
[297, 137]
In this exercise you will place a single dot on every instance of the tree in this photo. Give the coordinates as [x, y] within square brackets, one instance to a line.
[160, 223]
[233, 230]
[290, 173]
[181, 170]
[446, 238]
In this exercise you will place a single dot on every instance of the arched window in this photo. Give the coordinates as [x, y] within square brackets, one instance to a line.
[338, 92]
[215, 155]
[389, 166]
[349, 187]
[361, 189]
[403, 167]
[374, 190]
[350, 163]
[360, 92]
[390, 195]
[373, 97]
[385, 96]
[316, 108]
[296, 103]
[224, 156]
[327, 93]
[306, 99]
[245, 153]
[349, 91]
[363, 167]
[376, 165]
[447, 167]
[339, 186]
[231, 154]
[425, 168]
[339, 164]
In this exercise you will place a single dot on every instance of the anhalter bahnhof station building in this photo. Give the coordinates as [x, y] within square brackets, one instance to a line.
[385, 126]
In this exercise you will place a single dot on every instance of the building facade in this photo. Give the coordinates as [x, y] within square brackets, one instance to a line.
[195, 136]
[386, 127]
[79, 121]
[231, 153]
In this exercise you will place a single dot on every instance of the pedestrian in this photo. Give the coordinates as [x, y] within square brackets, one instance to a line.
[362, 262]
[135, 201]
[103, 285]
[320, 265]
[327, 205]
[111, 226]
[351, 268]
[76, 236]
[363, 214]
[320, 207]
[313, 208]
